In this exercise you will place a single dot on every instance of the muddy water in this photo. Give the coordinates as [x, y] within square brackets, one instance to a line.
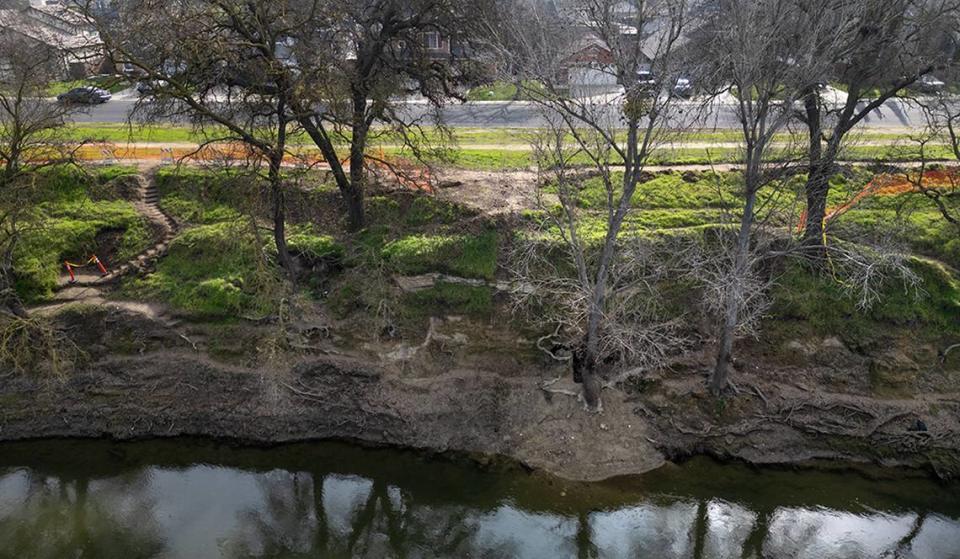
[193, 499]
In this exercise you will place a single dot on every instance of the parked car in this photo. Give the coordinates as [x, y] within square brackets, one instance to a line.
[149, 87]
[130, 70]
[646, 80]
[928, 84]
[88, 95]
[683, 88]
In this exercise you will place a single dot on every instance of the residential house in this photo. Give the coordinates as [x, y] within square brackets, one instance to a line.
[590, 68]
[52, 25]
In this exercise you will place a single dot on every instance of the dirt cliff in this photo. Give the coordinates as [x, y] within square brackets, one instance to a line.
[145, 377]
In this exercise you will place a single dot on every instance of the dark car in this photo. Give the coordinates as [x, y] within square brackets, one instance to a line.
[85, 96]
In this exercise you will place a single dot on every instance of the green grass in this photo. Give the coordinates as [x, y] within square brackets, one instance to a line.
[665, 191]
[67, 222]
[195, 195]
[113, 84]
[303, 241]
[122, 133]
[496, 159]
[827, 309]
[210, 271]
[469, 256]
[922, 229]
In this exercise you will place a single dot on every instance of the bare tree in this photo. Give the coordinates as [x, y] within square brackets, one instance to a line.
[630, 46]
[31, 137]
[742, 46]
[873, 49]
[943, 189]
[336, 68]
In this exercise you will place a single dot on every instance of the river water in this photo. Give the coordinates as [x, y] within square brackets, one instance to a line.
[194, 499]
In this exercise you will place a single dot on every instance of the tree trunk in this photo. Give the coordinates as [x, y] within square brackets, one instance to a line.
[817, 186]
[585, 364]
[278, 201]
[280, 231]
[817, 189]
[358, 143]
[355, 214]
[731, 306]
[721, 371]
[277, 195]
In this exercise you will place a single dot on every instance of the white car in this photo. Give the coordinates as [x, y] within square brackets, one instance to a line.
[928, 84]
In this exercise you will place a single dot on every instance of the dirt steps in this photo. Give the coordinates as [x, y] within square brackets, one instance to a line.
[146, 205]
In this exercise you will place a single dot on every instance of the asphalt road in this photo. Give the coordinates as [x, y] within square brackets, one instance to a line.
[893, 114]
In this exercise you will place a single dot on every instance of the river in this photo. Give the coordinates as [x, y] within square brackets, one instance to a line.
[197, 499]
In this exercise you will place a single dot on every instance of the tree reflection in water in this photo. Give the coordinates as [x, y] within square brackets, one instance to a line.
[295, 509]
[368, 518]
[77, 518]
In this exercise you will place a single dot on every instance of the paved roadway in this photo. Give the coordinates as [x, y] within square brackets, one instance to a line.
[893, 114]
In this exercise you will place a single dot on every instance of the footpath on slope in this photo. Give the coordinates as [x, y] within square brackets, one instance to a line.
[89, 283]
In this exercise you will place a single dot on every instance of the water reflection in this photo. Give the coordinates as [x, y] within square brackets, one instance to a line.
[137, 503]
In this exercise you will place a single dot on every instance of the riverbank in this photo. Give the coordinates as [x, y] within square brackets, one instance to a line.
[158, 379]
[407, 334]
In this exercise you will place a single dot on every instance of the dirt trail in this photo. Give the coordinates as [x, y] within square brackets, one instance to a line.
[89, 285]
[145, 203]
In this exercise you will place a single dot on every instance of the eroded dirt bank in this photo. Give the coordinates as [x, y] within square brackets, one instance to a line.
[153, 382]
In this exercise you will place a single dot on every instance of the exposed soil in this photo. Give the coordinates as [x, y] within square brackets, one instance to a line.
[161, 378]
[494, 193]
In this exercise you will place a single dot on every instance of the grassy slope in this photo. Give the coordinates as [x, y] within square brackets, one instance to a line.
[76, 208]
[411, 234]
[213, 269]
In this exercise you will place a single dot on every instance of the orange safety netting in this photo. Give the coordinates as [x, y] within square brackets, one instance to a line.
[890, 185]
[409, 173]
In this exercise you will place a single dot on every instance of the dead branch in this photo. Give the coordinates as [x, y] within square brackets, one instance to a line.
[552, 355]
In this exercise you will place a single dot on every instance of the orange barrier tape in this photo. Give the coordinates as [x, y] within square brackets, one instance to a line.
[93, 261]
[889, 185]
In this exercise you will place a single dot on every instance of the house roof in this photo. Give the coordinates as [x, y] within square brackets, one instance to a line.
[51, 26]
